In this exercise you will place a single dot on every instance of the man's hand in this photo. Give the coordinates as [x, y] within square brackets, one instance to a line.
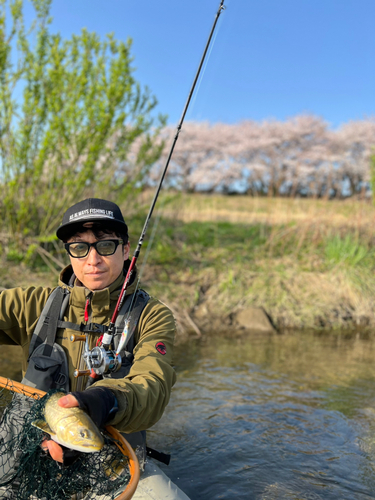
[54, 449]
[68, 401]
[98, 402]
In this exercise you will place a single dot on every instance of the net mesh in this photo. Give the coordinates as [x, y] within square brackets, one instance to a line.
[27, 472]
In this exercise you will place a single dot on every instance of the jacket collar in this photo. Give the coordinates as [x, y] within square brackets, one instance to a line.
[99, 299]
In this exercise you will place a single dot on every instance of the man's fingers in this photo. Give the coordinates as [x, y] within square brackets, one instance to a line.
[44, 445]
[54, 449]
[67, 401]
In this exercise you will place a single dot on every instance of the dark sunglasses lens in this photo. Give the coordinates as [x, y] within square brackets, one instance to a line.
[106, 247]
[78, 249]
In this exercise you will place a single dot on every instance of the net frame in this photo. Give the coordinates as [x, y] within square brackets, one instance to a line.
[119, 440]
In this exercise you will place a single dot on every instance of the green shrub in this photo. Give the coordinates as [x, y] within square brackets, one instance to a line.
[74, 122]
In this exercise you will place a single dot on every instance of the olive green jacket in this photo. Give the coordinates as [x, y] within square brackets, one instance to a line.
[144, 393]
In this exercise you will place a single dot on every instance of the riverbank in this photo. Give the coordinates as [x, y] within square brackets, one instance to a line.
[308, 263]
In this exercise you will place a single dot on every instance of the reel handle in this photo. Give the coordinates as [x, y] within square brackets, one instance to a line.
[81, 373]
[77, 338]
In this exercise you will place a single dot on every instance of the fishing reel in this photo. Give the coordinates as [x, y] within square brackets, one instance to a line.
[102, 361]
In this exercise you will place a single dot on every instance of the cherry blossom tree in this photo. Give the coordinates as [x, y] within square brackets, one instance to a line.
[301, 156]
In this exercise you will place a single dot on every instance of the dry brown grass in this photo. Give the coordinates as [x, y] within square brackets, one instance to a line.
[272, 211]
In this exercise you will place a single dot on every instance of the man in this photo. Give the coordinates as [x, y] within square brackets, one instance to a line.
[96, 239]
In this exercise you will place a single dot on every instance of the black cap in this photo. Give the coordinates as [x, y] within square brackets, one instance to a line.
[91, 210]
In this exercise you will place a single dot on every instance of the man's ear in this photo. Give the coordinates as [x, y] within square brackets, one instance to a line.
[126, 251]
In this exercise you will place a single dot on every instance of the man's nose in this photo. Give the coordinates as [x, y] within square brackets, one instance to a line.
[93, 256]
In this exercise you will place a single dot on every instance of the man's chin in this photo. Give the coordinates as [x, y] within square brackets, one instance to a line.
[95, 283]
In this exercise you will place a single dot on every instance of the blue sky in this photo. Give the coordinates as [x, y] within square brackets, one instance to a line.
[270, 59]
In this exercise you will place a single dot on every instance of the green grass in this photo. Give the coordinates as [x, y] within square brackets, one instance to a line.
[205, 243]
[348, 251]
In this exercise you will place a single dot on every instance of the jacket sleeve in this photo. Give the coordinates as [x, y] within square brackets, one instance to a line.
[19, 313]
[144, 393]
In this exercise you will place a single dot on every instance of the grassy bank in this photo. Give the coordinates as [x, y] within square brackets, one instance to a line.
[308, 263]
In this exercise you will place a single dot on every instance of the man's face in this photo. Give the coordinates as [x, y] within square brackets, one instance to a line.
[95, 271]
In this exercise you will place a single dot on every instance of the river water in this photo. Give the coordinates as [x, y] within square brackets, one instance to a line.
[280, 417]
[268, 417]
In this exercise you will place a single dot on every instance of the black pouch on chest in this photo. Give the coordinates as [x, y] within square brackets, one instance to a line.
[48, 367]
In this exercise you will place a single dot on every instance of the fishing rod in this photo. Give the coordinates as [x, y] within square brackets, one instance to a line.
[106, 339]
[99, 357]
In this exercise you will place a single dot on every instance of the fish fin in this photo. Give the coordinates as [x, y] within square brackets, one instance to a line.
[43, 426]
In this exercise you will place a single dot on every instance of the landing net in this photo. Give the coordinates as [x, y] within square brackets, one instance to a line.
[28, 473]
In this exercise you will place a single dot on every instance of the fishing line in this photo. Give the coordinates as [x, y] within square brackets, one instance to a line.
[220, 21]
[145, 258]
[150, 243]
[192, 105]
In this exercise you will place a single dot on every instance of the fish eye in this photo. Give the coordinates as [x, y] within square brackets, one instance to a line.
[83, 434]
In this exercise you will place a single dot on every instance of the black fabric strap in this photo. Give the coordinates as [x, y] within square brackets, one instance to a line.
[89, 328]
[46, 328]
[47, 351]
[164, 458]
[139, 304]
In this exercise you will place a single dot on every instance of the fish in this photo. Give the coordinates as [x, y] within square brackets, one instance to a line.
[70, 427]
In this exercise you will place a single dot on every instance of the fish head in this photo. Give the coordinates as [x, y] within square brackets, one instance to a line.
[80, 434]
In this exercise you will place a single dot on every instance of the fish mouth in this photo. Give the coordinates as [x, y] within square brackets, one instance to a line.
[89, 448]
[96, 444]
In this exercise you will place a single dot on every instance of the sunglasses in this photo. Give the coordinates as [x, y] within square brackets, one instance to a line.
[80, 249]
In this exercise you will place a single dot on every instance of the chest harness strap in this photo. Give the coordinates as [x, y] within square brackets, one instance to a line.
[48, 366]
